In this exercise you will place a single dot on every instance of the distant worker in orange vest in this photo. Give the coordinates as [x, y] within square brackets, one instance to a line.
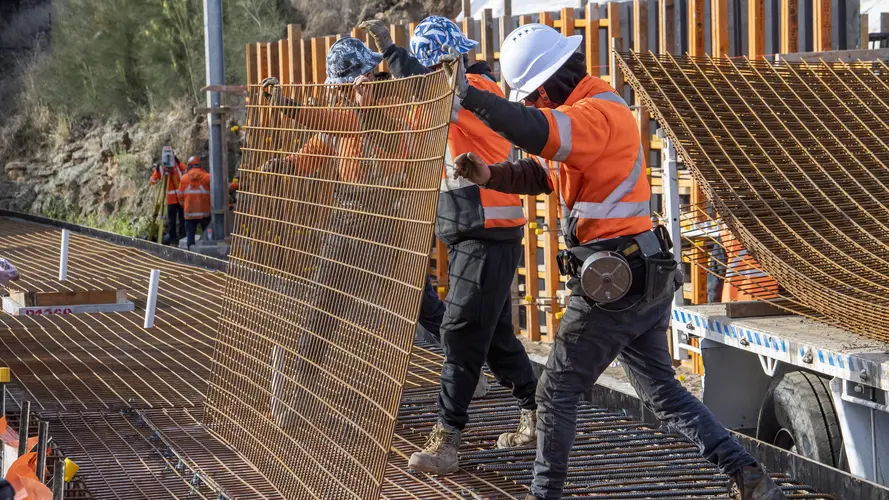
[194, 195]
[175, 218]
[483, 231]
[622, 274]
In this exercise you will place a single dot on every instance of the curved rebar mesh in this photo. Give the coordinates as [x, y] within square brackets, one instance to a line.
[338, 193]
[794, 158]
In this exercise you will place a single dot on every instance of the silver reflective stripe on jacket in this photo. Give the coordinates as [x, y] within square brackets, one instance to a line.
[737, 261]
[510, 212]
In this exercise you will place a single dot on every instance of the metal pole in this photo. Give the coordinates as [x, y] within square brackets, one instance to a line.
[58, 480]
[4, 379]
[24, 422]
[215, 76]
[63, 258]
[42, 443]
[151, 302]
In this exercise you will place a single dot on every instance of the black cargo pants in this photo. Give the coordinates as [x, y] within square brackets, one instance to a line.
[477, 327]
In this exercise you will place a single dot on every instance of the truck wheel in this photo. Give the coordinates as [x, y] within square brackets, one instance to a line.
[798, 415]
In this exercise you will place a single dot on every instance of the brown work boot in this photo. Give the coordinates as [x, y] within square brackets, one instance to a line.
[482, 388]
[753, 483]
[525, 434]
[439, 456]
[532, 497]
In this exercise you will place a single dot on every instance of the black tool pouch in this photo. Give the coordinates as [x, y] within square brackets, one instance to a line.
[662, 278]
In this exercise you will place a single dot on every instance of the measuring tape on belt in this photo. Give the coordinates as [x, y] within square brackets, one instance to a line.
[605, 276]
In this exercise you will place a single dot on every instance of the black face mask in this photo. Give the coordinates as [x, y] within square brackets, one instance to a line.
[560, 86]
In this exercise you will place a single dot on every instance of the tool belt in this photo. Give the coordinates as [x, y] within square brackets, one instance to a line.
[610, 270]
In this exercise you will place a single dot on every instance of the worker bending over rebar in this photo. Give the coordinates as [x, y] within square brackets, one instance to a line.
[622, 273]
[483, 231]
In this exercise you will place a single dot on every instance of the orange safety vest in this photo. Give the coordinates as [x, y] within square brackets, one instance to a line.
[173, 181]
[462, 205]
[603, 186]
[744, 274]
[194, 194]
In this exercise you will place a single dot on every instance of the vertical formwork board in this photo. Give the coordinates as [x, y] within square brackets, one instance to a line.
[252, 72]
[719, 28]
[789, 26]
[591, 39]
[294, 52]
[822, 24]
[640, 45]
[273, 67]
[667, 27]
[756, 28]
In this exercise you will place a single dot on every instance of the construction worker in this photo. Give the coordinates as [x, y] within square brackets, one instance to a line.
[579, 120]
[483, 231]
[194, 196]
[175, 215]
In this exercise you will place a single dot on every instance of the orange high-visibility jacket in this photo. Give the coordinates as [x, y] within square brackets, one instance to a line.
[194, 194]
[744, 274]
[464, 207]
[173, 180]
[603, 185]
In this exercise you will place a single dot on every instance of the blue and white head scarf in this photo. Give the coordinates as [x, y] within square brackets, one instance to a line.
[348, 59]
[432, 34]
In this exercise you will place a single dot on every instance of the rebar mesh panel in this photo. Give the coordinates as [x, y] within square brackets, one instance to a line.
[794, 158]
[339, 187]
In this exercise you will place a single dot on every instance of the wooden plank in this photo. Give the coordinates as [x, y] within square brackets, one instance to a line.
[252, 72]
[696, 28]
[487, 36]
[505, 25]
[546, 18]
[469, 31]
[753, 309]
[865, 35]
[789, 26]
[719, 46]
[441, 268]
[550, 249]
[271, 60]
[567, 16]
[591, 39]
[399, 35]
[640, 45]
[467, 9]
[884, 22]
[822, 25]
[262, 62]
[613, 16]
[294, 54]
[756, 28]
[532, 288]
[305, 50]
[319, 60]
[45, 299]
[284, 61]
[666, 28]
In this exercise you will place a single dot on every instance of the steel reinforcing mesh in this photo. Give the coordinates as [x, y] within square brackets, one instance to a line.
[332, 232]
[794, 158]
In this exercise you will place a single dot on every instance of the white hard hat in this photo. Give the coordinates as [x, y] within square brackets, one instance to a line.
[531, 54]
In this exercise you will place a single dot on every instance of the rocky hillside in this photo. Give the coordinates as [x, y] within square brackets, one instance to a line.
[89, 164]
[98, 175]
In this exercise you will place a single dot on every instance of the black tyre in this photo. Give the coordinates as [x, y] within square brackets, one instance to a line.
[798, 415]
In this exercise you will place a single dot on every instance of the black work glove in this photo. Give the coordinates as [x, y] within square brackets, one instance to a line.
[380, 33]
[453, 67]
[269, 82]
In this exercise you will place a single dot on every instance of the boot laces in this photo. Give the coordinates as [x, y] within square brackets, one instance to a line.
[437, 439]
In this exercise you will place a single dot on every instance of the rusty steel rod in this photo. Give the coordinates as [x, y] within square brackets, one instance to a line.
[793, 158]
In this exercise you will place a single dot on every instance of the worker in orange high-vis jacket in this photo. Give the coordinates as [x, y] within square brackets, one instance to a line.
[175, 216]
[622, 273]
[194, 196]
[483, 231]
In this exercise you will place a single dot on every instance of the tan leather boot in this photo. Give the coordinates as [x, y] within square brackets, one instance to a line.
[439, 456]
[753, 483]
[524, 435]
